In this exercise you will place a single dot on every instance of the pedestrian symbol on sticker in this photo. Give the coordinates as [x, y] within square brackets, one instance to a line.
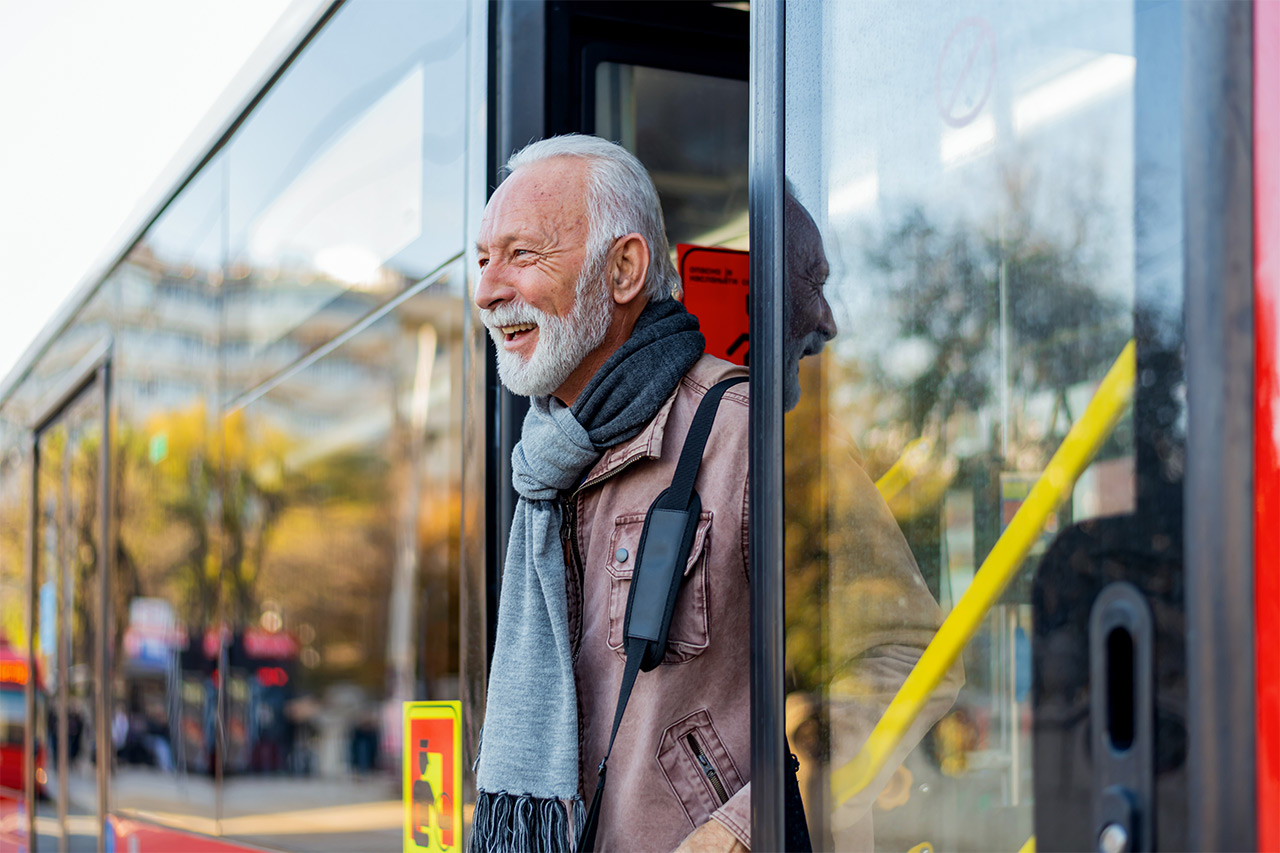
[433, 776]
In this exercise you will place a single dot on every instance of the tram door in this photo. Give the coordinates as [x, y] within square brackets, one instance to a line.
[666, 80]
[66, 569]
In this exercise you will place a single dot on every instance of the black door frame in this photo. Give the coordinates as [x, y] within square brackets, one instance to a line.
[539, 63]
[1217, 129]
[766, 535]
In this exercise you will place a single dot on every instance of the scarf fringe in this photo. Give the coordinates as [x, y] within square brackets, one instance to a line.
[516, 823]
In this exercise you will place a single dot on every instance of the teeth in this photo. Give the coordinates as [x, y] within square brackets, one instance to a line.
[521, 327]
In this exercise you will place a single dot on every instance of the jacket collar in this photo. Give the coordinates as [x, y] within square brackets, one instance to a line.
[647, 444]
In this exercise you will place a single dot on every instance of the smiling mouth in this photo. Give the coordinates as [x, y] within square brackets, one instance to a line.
[513, 332]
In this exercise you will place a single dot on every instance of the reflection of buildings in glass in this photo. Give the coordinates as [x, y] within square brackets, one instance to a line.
[287, 452]
[379, 405]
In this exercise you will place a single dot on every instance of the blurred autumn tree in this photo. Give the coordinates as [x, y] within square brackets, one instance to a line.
[185, 488]
[945, 287]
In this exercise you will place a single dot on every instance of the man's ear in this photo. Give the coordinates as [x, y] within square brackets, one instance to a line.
[628, 267]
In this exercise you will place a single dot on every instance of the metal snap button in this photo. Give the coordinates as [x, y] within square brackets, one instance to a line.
[621, 556]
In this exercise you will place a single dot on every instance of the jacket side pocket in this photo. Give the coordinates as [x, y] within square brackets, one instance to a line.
[697, 766]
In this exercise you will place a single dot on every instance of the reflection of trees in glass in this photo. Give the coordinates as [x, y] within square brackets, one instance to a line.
[253, 495]
[937, 374]
[805, 539]
[185, 492]
[84, 459]
[13, 565]
[946, 290]
[948, 287]
[327, 560]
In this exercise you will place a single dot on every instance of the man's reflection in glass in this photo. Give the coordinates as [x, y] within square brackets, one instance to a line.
[810, 324]
[878, 615]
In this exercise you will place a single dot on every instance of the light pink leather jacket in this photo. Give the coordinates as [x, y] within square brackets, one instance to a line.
[684, 746]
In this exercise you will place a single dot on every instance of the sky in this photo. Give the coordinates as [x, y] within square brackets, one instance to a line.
[97, 98]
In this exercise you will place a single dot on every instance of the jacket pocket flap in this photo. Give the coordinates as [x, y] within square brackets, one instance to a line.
[624, 545]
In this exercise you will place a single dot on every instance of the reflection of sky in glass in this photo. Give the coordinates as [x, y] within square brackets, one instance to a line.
[346, 183]
[357, 203]
[189, 233]
[949, 110]
[369, 95]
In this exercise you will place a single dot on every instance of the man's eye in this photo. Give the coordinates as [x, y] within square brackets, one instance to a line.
[484, 262]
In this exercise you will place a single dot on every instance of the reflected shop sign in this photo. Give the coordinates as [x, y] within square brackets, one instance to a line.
[153, 634]
[432, 776]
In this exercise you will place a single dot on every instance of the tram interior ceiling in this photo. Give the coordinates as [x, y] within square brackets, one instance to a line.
[987, 264]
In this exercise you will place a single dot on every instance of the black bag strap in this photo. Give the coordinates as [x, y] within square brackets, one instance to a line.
[645, 629]
[695, 442]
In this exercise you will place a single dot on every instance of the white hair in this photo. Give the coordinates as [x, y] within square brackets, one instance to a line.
[621, 200]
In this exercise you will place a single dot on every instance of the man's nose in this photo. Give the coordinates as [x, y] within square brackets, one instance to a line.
[492, 289]
[826, 320]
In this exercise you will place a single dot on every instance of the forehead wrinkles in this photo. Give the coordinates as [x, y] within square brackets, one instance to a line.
[546, 199]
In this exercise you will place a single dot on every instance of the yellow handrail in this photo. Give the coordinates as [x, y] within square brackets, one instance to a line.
[1066, 466]
[909, 464]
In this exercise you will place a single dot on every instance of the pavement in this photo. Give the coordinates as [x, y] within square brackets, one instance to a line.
[277, 812]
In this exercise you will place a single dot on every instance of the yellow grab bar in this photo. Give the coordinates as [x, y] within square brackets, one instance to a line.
[1029, 847]
[1068, 463]
[909, 464]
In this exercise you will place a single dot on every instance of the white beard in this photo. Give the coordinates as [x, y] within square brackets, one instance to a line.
[563, 342]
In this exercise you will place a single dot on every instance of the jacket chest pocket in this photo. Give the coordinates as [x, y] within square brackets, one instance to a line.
[690, 629]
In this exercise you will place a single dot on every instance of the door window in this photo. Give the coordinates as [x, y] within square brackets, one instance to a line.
[690, 131]
[978, 224]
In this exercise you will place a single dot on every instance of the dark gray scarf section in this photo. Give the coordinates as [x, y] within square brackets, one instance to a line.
[527, 773]
[632, 385]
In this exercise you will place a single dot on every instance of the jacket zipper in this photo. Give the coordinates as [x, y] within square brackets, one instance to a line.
[608, 474]
[708, 768]
[569, 534]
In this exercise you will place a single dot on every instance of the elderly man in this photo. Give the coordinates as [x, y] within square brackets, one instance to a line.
[576, 289]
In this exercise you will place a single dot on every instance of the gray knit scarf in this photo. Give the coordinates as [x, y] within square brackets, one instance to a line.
[527, 776]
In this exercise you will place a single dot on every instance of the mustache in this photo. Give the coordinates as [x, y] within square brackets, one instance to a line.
[510, 314]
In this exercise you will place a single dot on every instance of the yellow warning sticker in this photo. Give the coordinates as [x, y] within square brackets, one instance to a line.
[433, 776]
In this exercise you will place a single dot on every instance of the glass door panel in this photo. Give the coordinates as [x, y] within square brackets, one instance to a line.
[968, 233]
[690, 131]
